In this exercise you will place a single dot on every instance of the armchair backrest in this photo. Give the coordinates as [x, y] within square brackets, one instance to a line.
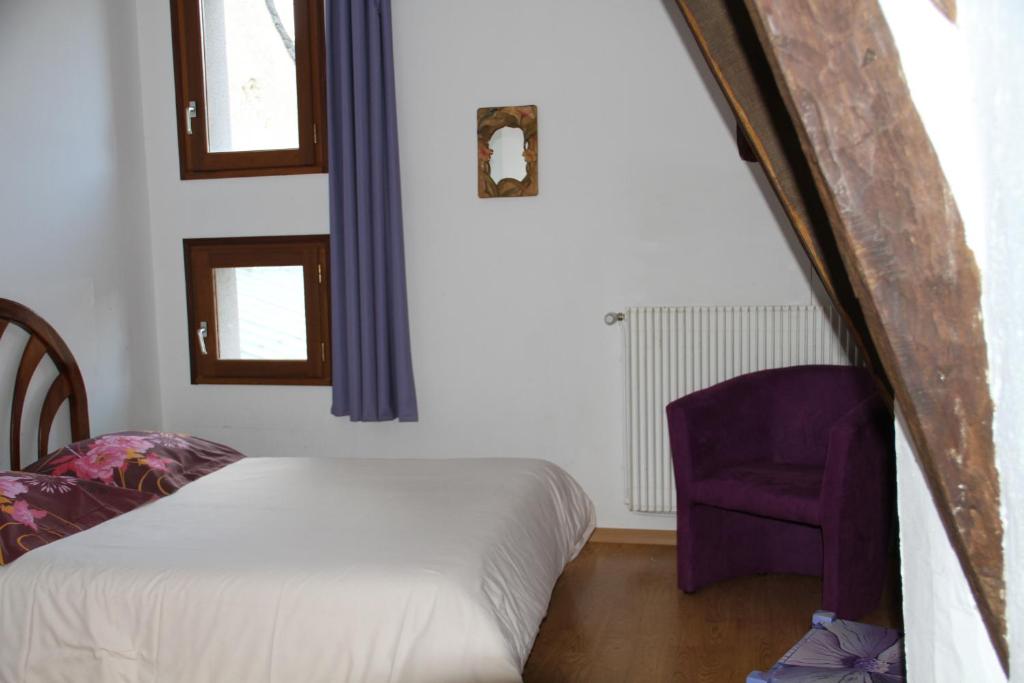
[782, 415]
[809, 401]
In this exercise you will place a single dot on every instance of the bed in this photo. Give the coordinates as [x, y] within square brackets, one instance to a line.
[296, 569]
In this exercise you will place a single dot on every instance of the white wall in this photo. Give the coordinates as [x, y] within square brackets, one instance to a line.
[75, 242]
[967, 82]
[996, 60]
[946, 640]
[643, 199]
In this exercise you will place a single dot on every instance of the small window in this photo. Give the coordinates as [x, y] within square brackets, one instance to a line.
[258, 310]
[249, 78]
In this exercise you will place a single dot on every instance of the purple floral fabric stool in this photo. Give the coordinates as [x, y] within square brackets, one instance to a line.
[840, 651]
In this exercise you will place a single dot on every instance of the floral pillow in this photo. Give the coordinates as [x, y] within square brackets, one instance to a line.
[156, 462]
[36, 509]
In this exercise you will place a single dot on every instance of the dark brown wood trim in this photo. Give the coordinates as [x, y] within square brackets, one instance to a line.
[180, 83]
[318, 81]
[30, 358]
[253, 172]
[256, 240]
[43, 340]
[58, 392]
[901, 236]
[191, 320]
[311, 251]
[743, 146]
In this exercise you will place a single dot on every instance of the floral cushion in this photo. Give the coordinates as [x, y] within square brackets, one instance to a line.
[841, 651]
[156, 462]
[36, 509]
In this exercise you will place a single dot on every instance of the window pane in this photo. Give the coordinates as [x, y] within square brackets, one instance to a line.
[261, 313]
[249, 61]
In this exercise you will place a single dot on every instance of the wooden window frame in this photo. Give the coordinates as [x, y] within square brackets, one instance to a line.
[309, 251]
[195, 161]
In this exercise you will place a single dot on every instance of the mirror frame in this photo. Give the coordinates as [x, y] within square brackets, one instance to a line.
[489, 120]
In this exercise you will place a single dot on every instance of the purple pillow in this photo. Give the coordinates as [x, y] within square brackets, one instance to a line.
[36, 509]
[156, 462]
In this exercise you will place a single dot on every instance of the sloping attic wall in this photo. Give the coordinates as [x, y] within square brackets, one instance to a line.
[898, 232]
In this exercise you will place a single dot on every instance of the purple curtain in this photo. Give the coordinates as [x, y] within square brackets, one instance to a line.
[371, 358]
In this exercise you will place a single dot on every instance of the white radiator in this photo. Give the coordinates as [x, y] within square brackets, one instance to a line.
[672, 351]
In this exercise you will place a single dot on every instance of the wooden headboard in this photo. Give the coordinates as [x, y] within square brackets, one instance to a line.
[43, 340]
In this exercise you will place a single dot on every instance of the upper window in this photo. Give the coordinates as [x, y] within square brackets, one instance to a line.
[249, 77]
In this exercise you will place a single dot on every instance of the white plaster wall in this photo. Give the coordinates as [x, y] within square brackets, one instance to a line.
[75, 241]
[642, 200]
[946, 640]
[967, 82]
[996, 57]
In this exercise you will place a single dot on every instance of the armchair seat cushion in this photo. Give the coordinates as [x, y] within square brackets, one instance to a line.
[784, 491]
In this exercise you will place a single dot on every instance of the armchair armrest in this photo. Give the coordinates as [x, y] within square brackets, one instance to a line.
[857, 507]
[859, 458]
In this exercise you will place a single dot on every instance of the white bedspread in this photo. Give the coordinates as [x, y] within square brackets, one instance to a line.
[301, 570]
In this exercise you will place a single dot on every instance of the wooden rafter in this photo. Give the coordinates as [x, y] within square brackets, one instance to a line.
[947, 7]
[902, 240]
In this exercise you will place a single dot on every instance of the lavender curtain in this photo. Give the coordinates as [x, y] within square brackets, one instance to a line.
[371, 358]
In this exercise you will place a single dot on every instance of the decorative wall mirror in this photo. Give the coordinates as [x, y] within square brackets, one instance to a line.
[506, 139]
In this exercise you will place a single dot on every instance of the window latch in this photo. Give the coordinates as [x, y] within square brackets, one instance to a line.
[201, 334]
[190, 113]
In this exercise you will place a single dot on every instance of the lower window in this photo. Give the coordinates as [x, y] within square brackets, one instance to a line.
[258, 310]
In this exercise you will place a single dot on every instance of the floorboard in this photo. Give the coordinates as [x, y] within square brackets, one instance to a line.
[616, 615]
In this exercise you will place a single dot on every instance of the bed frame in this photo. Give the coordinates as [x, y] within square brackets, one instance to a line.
[43, 340]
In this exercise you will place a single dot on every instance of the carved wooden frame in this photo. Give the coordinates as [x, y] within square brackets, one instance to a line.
[489, 120]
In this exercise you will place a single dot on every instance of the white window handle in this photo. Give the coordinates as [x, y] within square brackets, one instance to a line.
[190, 113]
[201, 334]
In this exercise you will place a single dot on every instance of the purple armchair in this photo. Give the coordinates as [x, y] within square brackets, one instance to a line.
[786, 471]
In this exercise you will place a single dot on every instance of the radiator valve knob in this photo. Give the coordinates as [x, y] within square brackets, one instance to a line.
[612, 318]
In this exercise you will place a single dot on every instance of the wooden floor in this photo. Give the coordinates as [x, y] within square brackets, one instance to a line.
[616, 615]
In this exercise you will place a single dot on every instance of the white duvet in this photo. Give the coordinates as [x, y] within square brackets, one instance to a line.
[303, 569]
